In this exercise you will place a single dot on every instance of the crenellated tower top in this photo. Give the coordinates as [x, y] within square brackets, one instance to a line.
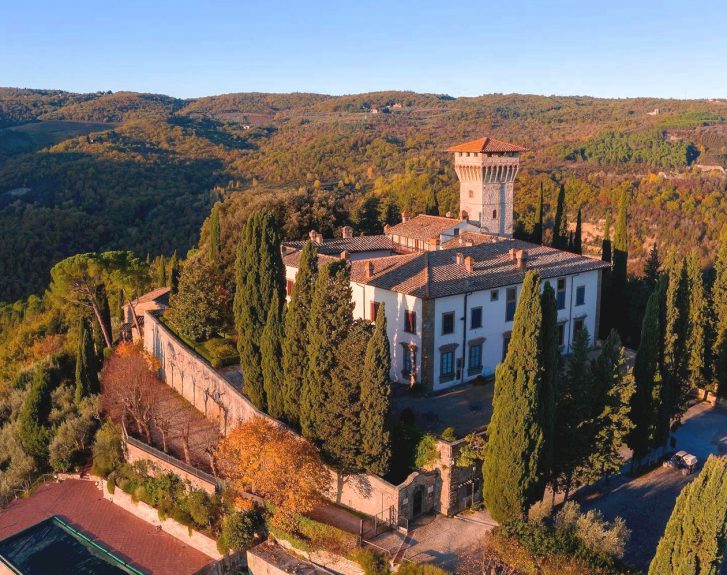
[486, 169]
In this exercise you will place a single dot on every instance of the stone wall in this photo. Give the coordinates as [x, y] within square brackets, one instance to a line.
[136, 452]
[219, 400]
[194, 539]
[457, 482]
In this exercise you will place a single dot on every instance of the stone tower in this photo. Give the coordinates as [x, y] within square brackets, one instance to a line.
[486, 169]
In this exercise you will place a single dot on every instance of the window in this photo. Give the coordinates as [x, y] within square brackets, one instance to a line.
[447, 322]
[447, 364]
[410, 321]
[560, 293]
[373, 310]
[455, 231]
[510, 303]
[579, 324]
[494, 214]
[561, 334]
[475, 359]
[505, 344]
[472, 194]
[476, 318]
[289, 287]
[494, 295]
[580, 295]
[408, 352]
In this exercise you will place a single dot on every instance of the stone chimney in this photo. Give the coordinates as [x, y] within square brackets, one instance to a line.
[345, 255]
[513, 256]
[319, 239]
[404, 217]
[387, 227]
[459, 256]
[521, 259]
[369, 269]
[469, 264]
[313, 235]
[346, 232]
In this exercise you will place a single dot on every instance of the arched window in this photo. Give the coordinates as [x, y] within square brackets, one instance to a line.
[472, 194]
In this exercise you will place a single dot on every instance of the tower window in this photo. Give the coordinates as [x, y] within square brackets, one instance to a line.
[472, 194]
[494, 214]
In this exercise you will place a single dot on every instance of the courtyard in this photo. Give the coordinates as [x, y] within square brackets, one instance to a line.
[646, 502]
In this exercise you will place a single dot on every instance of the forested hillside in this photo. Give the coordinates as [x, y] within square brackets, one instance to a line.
[81, 172]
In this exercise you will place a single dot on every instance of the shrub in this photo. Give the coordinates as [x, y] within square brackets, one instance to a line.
[449, 434]
[597, 534]
[426, 451]
[111, 484]
[107, 454]
[371, 562]
[409, 568]
[239, 531]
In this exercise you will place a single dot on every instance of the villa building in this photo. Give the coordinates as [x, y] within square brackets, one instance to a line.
[451, 285]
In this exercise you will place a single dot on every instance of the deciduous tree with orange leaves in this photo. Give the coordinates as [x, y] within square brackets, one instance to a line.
[268, 460]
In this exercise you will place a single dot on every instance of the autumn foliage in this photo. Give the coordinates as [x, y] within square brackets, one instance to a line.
[268, 460]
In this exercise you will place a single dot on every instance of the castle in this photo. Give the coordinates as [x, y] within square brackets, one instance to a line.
[451, 285]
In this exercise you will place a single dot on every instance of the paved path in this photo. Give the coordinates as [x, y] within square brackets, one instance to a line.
[81, 504]
[646, 502]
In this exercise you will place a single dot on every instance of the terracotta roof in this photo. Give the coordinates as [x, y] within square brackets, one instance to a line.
[423, 227]
[486, 144]
[335, 246]
[152, 295]
[437, 273]
[472, 239]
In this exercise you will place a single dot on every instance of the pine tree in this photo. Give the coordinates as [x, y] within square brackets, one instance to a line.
[512, 469]
[258, 275]
[295, 354]
[560, 226]
[331, 313]
[376, 400]
[652, 268]
[578, 235]
[610, 424]
[606, 242]
[215, 240]
[694, 539]
[271, 354]
[572, 413]
[644, 413]
[86, 366]
[675, 369]
[696, 345]
[537, 236]
[551, 375]
[719, 311]
[617, 288]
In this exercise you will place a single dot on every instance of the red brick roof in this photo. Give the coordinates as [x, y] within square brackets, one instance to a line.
[422, 227]
[153, 295]
[82, 505]
[486, 144]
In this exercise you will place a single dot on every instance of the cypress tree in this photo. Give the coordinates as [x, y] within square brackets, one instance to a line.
[675, 371]
[102, 301]
[173, 275]
[560, 225]
[162, 272]
[537, 236]
[696, 345]
[331, 313]
[376, 400]
[644, 413]
[606, 242]
[271, 354]
[214, 241]
[617, 289]
[578, 235]
[719, 311]
[432, 206]
[258, 276]
[694, 539]
[572, 413]
[86, 366]
[512, 469]
[551, 374]
[121, 302]
[295, 343]
[652, 268]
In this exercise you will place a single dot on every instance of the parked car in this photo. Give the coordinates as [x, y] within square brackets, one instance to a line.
[685, 462]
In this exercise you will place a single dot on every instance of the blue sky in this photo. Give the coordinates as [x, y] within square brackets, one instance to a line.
[462, 47]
